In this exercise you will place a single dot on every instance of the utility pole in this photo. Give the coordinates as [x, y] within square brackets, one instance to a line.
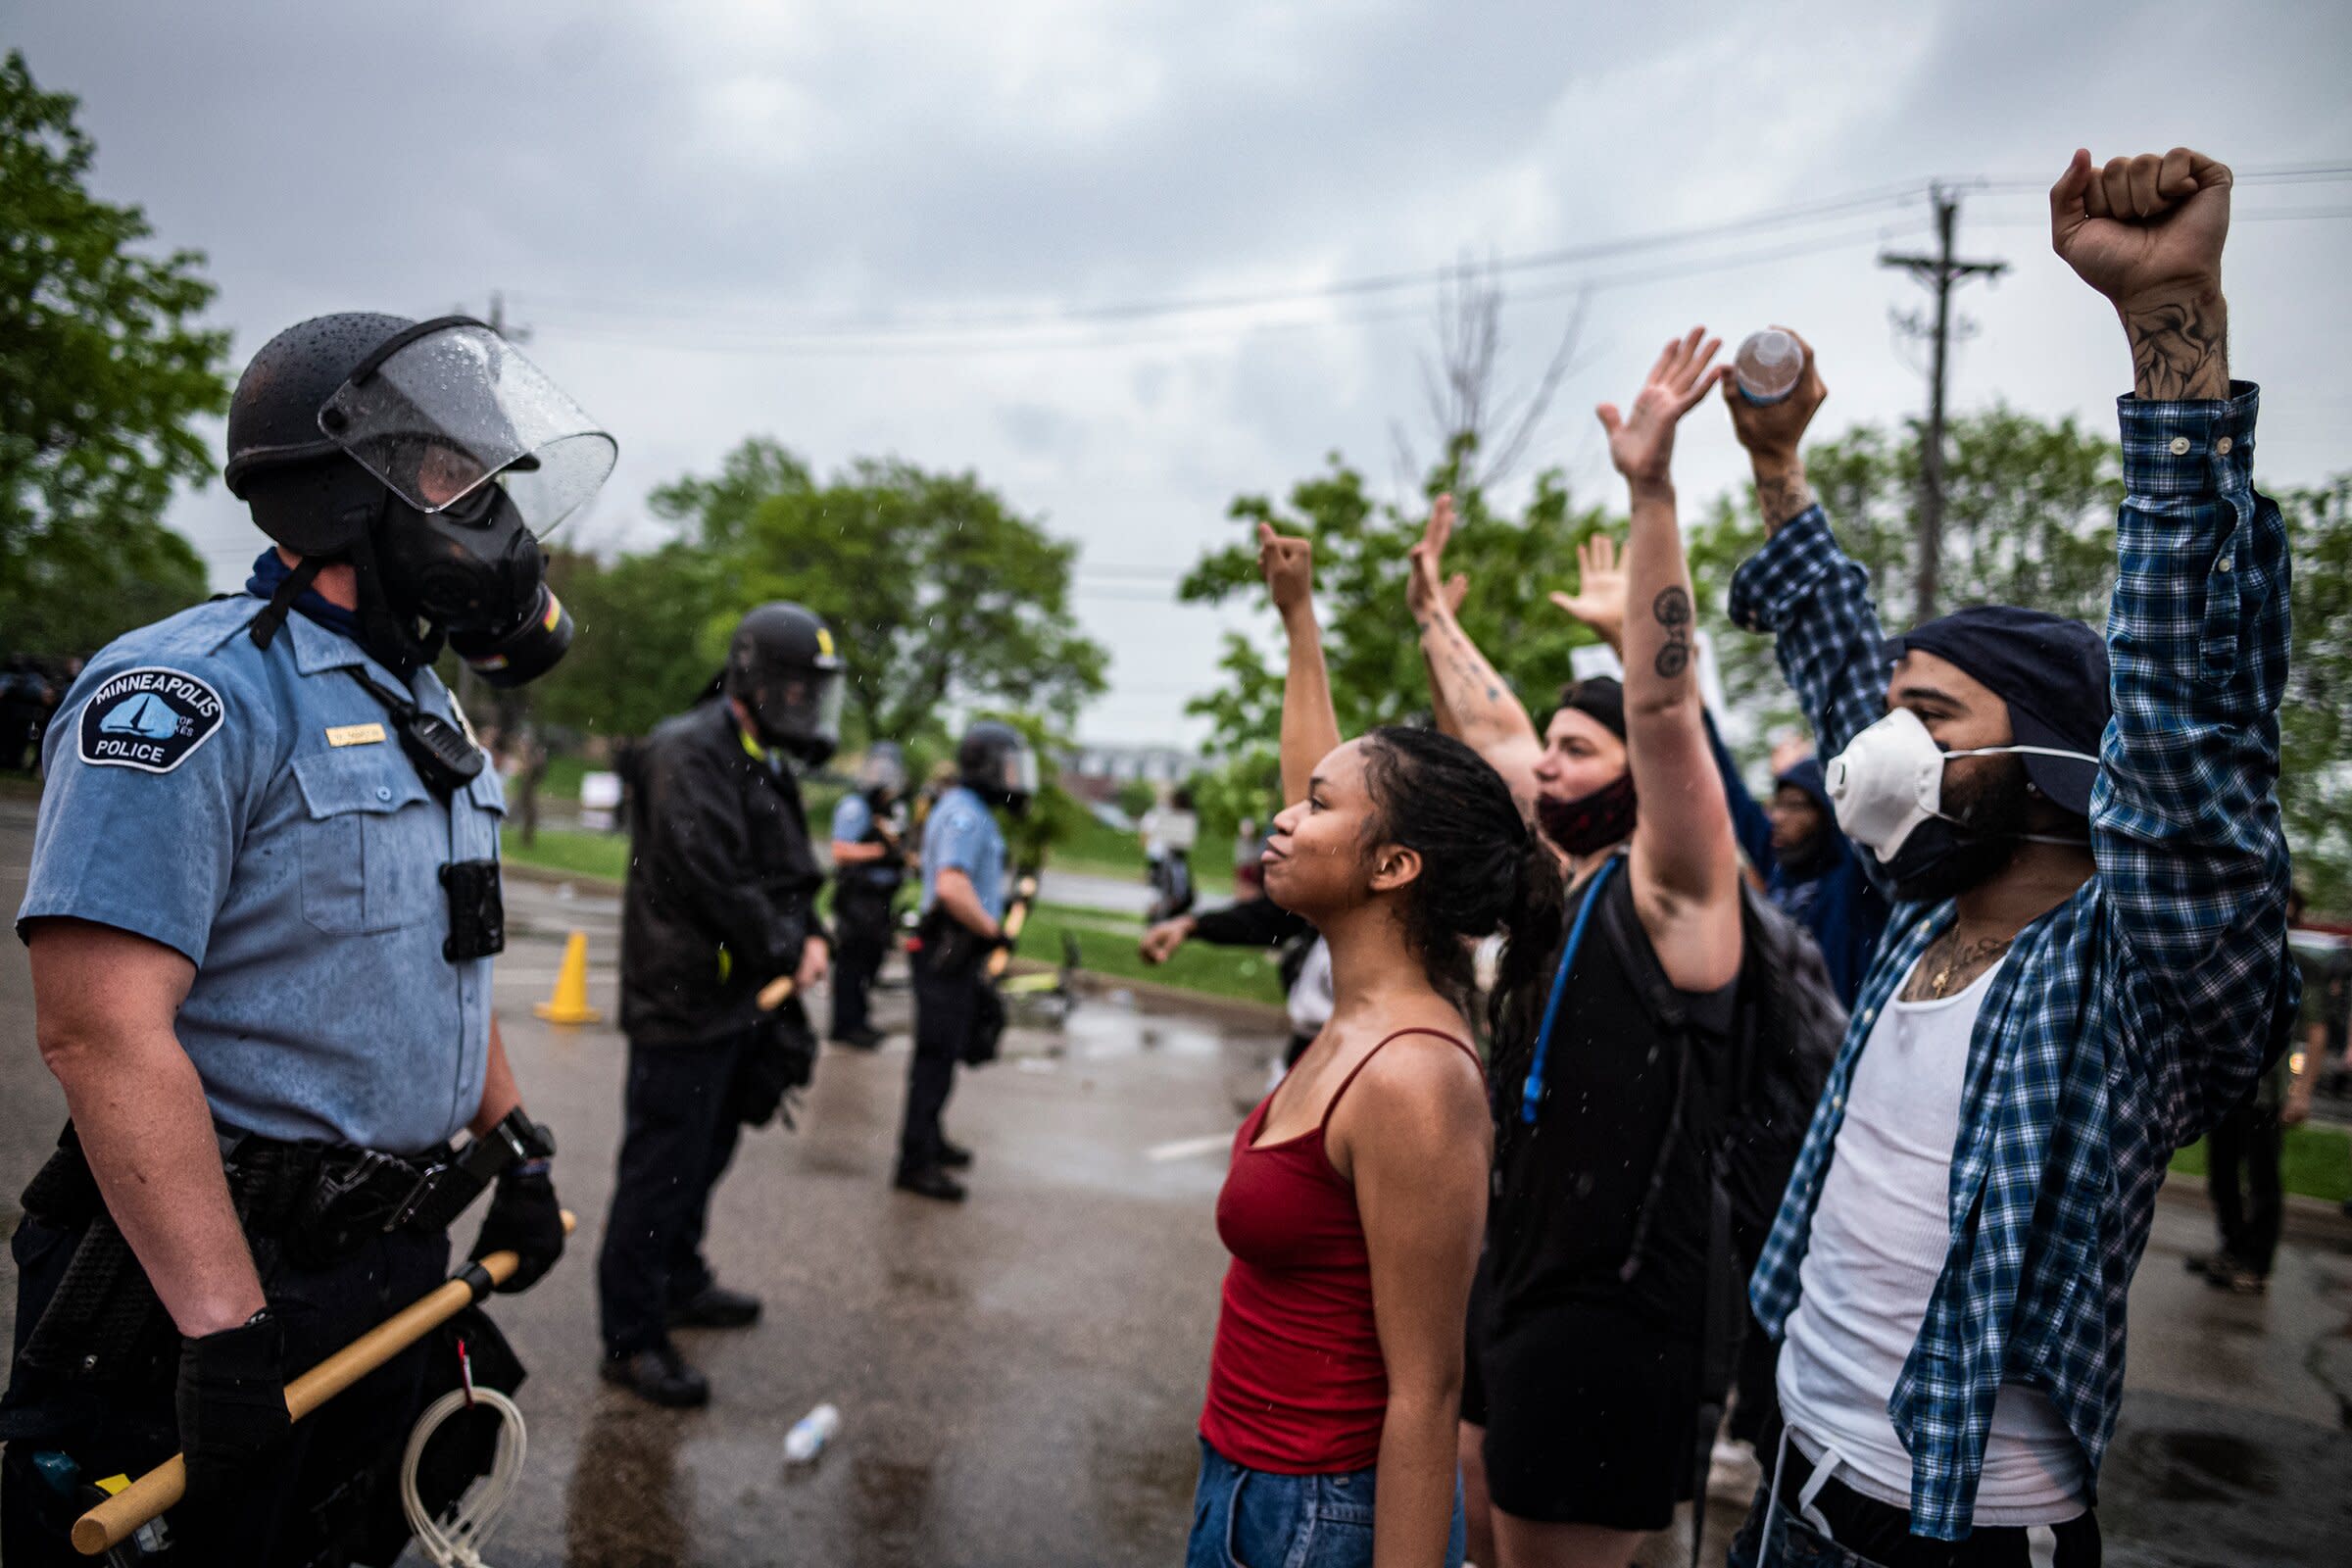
[1939, 272]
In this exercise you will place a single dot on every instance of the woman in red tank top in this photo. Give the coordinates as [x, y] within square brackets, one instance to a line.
[1357, 1195]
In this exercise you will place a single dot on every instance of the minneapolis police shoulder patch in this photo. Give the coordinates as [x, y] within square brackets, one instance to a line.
[150, 720]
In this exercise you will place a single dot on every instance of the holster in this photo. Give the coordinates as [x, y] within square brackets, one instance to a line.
[103, 1327]
[315, 1202]
[780, 1058]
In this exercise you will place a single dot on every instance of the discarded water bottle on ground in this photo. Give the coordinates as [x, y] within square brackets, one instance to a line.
[811, 1433]
[1767, 365]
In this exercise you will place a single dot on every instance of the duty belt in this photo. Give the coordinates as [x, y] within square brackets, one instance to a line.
[317, 1203]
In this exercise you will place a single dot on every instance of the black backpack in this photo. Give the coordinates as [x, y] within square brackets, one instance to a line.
[1787, 1025]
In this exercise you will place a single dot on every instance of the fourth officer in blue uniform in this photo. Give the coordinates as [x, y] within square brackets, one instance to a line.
[957, 1014]
[261, 910]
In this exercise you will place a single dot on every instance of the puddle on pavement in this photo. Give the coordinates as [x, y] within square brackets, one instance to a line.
[2204, 1467]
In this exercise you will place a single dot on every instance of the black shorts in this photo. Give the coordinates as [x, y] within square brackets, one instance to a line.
[1589, 1416]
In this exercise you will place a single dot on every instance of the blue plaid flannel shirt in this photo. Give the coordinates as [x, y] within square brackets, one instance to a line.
[2126, 1020]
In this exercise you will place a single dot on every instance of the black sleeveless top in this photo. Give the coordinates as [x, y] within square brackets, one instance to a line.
[1569, 1190]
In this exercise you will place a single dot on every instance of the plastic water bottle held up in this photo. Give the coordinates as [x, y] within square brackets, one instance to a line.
[1767, 365]
[811, 1433]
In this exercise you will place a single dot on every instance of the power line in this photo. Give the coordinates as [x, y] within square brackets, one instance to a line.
[1340, 289]
[899, 324]
[892, 345]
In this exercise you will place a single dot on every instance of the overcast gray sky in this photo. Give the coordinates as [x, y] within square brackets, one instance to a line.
[863, 228]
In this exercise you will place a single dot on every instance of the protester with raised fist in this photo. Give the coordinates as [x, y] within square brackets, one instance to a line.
[2087, 966]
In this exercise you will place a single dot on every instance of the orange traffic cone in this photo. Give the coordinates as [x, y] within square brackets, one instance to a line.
[569, 1003]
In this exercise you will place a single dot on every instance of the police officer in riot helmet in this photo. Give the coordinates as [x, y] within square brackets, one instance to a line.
[261, 910]
[869, 862]
[720, 905]
[958, 1013]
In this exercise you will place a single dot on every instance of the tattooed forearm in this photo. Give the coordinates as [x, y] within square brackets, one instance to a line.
[1672, 611]
[1781, 493]
[2179, 350]
[1465, 683]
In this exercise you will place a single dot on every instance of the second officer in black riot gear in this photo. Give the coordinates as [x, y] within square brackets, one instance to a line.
[720, 903]
[869, 862]
[262, 905]
[957, 1012]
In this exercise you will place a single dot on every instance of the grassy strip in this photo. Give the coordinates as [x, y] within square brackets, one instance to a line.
[1107, 944]
[600, 854]
[2317, 1161]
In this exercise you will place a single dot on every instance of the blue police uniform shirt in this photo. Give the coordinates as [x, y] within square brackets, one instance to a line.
[963, 833]
[852, 819]
[252, 809]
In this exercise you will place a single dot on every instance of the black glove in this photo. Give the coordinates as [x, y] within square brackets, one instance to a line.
[231, 1403]
[525, 1219]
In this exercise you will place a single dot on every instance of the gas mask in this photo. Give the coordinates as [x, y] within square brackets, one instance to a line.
[1886, 788]
[478, 453]
[475, 572]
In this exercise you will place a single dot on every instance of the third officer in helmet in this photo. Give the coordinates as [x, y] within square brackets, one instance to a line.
[955, 1006]
[869, 862]
[720, 905]
[261, 908]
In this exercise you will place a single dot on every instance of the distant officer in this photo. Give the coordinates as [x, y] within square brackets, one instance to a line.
[964, 904]
[721, 902]
[262, 905]
[869, 862]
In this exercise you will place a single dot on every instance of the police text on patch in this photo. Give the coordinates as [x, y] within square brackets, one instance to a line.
[150, 720]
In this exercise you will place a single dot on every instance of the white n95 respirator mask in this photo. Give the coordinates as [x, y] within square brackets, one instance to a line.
[1889, 783]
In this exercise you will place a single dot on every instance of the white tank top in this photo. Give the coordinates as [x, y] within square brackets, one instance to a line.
[1879, 1235]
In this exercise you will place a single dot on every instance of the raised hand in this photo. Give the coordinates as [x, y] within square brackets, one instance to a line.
[1599, 598]
[2147, 232]
[1642, 442]
[1772, 431]
[2144, 229]
[1426, 587]
[1289, 567]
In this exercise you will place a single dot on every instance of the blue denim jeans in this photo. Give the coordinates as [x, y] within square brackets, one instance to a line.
[1245, 1518]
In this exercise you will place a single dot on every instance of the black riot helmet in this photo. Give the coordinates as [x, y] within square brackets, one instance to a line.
[431, 455]
[782, 668]
[996, 763]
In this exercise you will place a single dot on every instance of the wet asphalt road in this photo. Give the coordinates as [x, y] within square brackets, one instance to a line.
[1019, 1377]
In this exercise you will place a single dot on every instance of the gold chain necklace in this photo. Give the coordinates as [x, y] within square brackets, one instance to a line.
[1959, 955]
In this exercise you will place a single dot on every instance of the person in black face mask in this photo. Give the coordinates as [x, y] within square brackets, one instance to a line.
[1582, 1404]
[720, 904]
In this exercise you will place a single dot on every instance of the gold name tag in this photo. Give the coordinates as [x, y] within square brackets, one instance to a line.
[355, 735]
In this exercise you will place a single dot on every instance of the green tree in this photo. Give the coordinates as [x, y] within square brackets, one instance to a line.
[1369, 641]
[2029, 520]
[103, 376]
[649, 631]
[940, 594]
[2314, 721]
[717, 511]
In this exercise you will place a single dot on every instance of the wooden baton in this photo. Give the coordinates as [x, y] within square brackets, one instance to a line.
[161, 1488]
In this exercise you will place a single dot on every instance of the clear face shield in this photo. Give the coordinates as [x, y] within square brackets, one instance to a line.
[884, 770]
[1020, 772]
[445, 407]
[801, 711]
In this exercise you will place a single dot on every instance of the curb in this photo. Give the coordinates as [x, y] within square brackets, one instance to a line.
[2307, 1219]
[550, 876]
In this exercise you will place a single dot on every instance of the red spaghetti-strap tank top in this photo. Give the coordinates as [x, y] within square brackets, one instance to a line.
[1296, 1383]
